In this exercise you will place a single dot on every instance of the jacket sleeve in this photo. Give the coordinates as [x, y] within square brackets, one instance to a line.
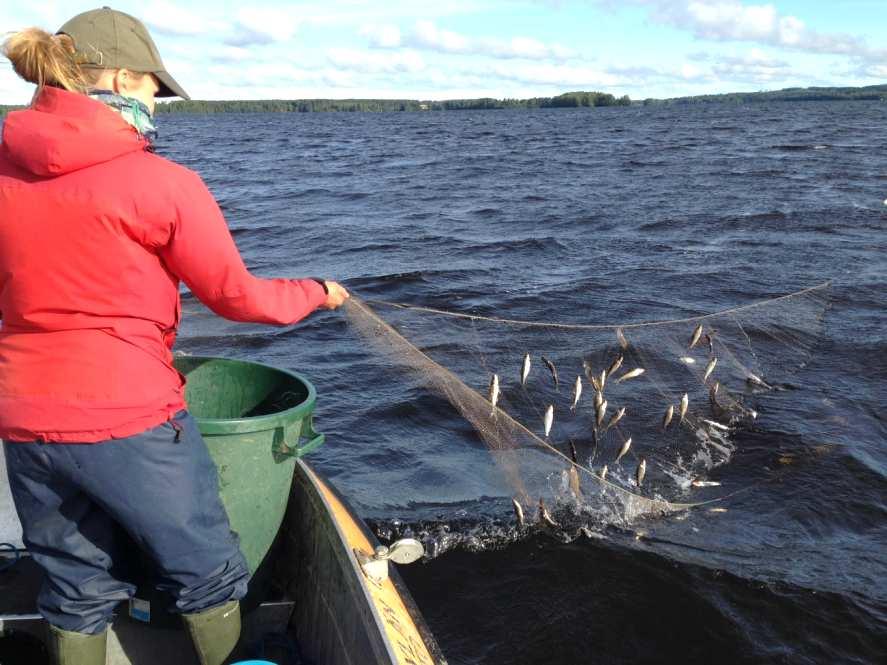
[201, 252]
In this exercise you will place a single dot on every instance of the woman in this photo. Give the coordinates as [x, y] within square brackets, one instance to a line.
[96, 232]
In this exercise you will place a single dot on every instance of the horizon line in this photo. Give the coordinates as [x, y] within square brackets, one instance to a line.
[165, 101]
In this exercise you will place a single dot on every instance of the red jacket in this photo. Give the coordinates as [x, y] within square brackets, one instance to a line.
[95, 234]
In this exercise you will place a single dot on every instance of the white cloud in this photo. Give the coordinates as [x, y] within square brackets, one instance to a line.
[169, 19]
[528, 47]
[578, 77]
[734, 20]
[339, 79]
[860, 73]
[689, 71]
[259, 75]
[401, 61]
[229, 54]
[48, 14]
[262, 25]
[753, 66]
[525, 47]
[791, 31]
[875, 71]
[382, 36]
[426, 35]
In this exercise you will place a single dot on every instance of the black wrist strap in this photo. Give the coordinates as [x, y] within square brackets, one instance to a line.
[322, 283]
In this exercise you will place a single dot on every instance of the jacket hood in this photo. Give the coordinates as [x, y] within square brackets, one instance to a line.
[66, 131]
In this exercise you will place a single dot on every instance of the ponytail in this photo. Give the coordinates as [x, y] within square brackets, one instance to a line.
[45, 59]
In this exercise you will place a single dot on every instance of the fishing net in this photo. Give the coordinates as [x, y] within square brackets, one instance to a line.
[615, 420]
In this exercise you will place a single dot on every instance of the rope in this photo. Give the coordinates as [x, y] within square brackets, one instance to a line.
[586, 326]
[17, 554]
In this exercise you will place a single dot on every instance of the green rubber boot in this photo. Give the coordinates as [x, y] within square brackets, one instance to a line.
[69, 648]
[214, 632]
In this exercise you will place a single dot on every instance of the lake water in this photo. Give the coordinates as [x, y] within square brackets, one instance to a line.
[597, 215]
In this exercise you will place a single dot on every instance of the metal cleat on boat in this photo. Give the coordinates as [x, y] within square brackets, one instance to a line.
[375, 566]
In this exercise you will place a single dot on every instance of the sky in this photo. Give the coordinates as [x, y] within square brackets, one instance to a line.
[450, 49]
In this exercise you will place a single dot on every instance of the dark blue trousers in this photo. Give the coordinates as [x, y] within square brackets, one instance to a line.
[160, 487]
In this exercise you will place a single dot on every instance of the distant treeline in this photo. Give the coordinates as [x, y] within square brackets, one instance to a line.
[868, 93]
[567, 100]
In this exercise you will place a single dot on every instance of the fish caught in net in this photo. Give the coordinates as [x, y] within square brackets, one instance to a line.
[616, 420]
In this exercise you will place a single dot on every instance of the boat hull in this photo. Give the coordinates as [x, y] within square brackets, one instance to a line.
[342, 616]
[329, 608]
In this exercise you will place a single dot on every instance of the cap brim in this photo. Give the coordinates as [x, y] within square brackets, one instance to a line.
[169, 87]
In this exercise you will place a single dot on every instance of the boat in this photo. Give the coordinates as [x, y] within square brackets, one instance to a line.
[334, 609]
[324, 591]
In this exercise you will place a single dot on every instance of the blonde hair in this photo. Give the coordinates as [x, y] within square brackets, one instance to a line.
[45, 59]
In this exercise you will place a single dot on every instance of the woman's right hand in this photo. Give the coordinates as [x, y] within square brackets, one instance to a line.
[335, 295]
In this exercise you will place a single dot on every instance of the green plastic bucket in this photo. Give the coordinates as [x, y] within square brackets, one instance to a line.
[256, 420]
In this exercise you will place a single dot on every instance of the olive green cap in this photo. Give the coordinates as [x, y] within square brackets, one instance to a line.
[110, 39]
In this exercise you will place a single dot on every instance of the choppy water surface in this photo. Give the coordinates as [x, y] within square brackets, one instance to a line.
[598, 215]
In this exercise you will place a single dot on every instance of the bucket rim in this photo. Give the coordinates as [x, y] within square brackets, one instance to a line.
[256, 423]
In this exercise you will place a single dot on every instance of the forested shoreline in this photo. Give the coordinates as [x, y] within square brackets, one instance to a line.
[814, 94]
[581, 99]
[566, 100]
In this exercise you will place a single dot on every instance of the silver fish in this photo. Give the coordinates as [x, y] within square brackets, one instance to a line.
[623, 450]
[753, 378]
[705, 483]
[601, 412]
[616, 364]
[595, 382]
[518, 512]
[685, 402]
[711, 344]
[641, 472]
[717, 510]
[525, 369]
[697, 333]
[577, 392]
[552, 369]
[709, 369]
[573, 455]
[494, 391]
[716, 425]
[621, 337]
[604, 470]
[669, 414]
[716, 409]
[637, 371]
[545, 516]
[573, 480]
[598, 398]
[687, 360]
[616, 418]
[548, 421]
[603, 379]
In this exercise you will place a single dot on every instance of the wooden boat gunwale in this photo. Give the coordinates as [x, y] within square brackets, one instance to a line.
[415, 643]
